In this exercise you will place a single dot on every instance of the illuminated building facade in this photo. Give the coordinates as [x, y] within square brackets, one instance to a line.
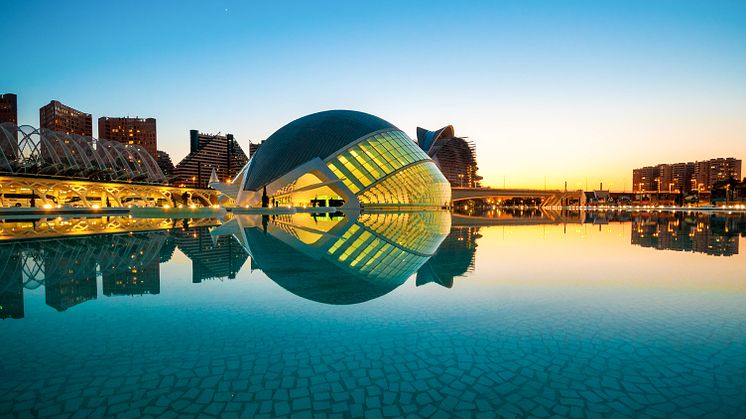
[56, 116]
[339, 158]
[709, 172]
[699, 176]
[131, 131]
[644, 179]
[208, 153]
[681, 176]
[456, 157]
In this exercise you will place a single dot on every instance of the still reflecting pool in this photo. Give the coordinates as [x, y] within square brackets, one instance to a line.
[383, 314]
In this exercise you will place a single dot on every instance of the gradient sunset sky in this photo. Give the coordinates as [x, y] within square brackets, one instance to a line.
[565, 90]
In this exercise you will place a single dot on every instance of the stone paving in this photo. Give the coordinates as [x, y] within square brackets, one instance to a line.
[506, 354]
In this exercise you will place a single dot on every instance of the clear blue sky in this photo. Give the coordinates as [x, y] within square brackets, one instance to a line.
[561, 89]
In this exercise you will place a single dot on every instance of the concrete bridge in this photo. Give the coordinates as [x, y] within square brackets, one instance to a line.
[549, 197]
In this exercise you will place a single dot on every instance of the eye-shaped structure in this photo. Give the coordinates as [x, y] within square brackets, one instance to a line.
[26, 150]
[342, 258]
[340, 158]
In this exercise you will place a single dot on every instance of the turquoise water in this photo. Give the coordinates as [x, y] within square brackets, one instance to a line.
[620, 315]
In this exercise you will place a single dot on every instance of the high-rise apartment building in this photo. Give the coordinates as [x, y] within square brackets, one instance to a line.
[664, 181]
[126, 130]
[709, 172]
[644, 179]
[9, 114]
[254, 147]
[56, 116]
[682, 176]
[685, 177]
[9, 108]
[207, 152]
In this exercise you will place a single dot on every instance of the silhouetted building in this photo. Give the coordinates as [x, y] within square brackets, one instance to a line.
[58, 117]
[9, 108]
[70, 289]
[126, 130]
[456, 157]
[165, 163]
[137, 281]
[11, 283]
[210, 260]
[253, 148]
[209, 152]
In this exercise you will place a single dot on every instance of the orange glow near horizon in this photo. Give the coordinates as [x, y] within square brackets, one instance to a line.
[583, 256]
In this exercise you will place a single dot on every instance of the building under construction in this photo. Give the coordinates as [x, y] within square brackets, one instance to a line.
[455, 156]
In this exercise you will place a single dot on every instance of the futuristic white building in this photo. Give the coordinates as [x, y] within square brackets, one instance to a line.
[339, 158]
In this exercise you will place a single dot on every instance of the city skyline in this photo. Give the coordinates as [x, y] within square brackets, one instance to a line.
[582, 93]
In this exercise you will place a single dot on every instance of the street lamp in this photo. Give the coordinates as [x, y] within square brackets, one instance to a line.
[461, 178]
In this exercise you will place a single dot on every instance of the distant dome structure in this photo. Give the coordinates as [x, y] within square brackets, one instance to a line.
[456, 157]
[339, 158]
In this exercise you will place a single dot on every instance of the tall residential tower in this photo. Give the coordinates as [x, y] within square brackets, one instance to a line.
[57, 116]
[126, 130]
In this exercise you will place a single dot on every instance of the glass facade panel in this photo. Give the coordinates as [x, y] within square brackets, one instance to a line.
[374, 158]
[414, 231]
[418, 185]
[390, 245]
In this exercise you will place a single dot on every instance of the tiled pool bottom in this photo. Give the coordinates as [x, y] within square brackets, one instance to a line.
[247, 348]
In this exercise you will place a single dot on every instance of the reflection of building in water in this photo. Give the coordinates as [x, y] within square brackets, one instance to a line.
[340, 259]
[220, 259]
[167, 251]
[70, 288]
[455, 257]
[128, 263]
[137, 272]
[138, 281]
[69, 272]
[11, 284]
[68, 267]
[702, 233]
